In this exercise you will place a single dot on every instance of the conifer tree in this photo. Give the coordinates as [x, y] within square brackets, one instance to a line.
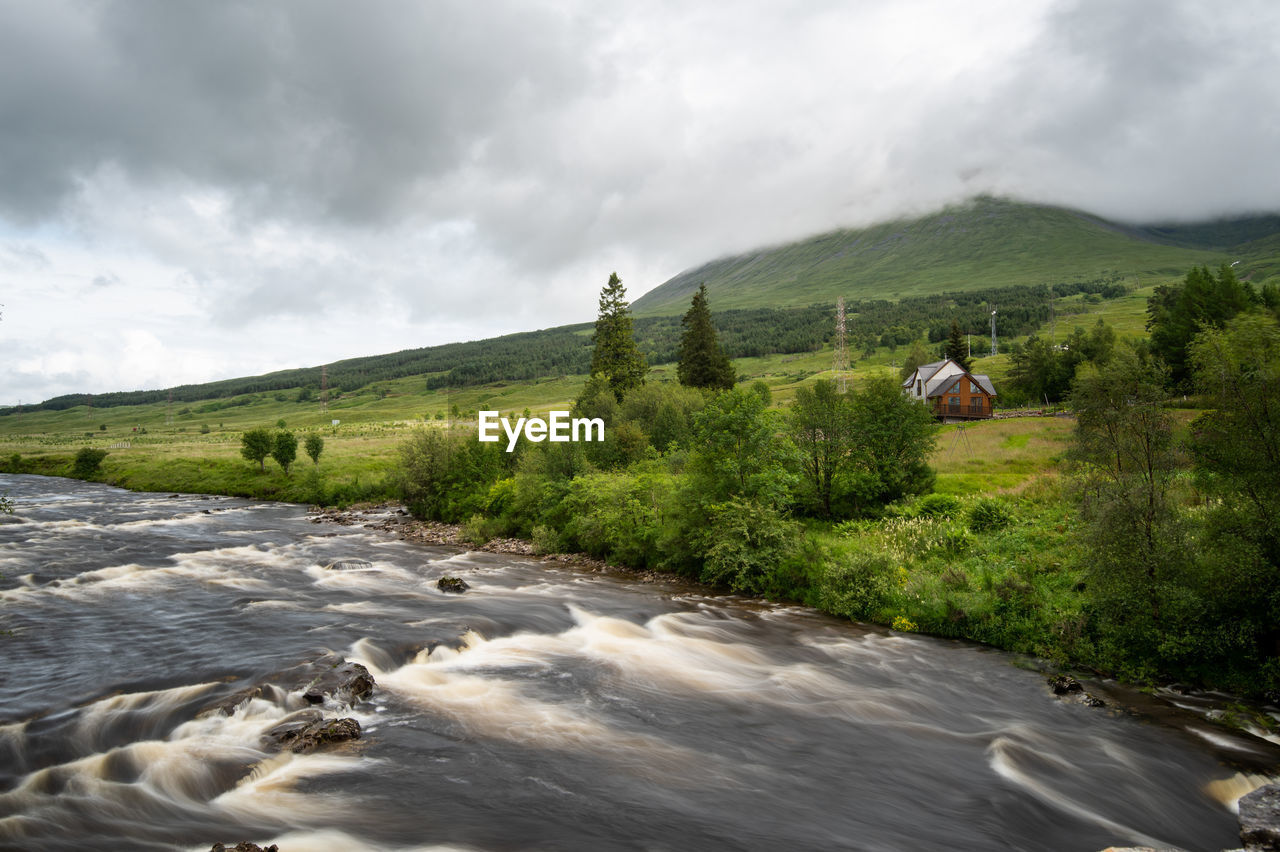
[616, 358]
[703, 363]
[956, 348]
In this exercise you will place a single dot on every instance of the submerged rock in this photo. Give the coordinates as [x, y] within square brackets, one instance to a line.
[348, 565]
[307, 730]
[1260, 819]
[453, 585]
[346, 682]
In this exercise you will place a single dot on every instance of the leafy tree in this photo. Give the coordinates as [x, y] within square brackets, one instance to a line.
[1039, 372]
[447, 477]
[87, 461]
[893, 437]
[703, 363]
[916, 359]
[1126, 459]
[957, 349]
[256, 445]
[822, 427]
[1236, 450]
[314, 446]
[1177, 313]
[739, 451]
[616, 357]
[284, 449]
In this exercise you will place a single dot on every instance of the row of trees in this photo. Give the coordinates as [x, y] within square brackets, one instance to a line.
[1185, 569]
[256, 445]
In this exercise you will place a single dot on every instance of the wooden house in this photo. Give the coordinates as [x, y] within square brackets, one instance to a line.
[951, 391]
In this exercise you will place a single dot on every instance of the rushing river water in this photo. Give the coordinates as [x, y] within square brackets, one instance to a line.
[547, 708]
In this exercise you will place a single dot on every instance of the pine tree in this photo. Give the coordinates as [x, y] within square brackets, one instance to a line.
[616, 358]
[703, 363]
[956, 348]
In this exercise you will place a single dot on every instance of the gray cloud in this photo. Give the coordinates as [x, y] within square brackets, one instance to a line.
[476, 168]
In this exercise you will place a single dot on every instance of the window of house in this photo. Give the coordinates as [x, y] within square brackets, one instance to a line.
[919, 387]
[973, 387]
[955, 401]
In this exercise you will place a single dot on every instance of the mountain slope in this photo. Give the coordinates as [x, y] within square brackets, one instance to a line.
[987, 242]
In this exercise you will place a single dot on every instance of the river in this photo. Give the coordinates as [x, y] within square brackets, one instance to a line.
[549, 707]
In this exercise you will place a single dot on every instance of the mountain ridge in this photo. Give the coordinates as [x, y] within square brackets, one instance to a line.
[983, 242]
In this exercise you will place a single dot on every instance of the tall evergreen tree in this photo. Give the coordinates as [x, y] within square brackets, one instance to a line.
[957, 350]
[616, 358]
[703, 363]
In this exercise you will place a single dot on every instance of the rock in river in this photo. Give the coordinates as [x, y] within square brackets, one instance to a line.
[455, 585]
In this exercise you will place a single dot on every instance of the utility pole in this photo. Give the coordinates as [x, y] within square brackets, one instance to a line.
[842, 350]
[168, 410]
[324, 388]
[993, 331]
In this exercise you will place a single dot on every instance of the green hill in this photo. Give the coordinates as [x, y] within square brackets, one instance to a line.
[982, 244]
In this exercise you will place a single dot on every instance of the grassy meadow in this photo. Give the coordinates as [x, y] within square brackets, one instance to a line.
[195, 447]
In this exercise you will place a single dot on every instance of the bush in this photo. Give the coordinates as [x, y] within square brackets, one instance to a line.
[544, 540]
[937, 506]
[744, 544]
[87, 462]
[987, 515]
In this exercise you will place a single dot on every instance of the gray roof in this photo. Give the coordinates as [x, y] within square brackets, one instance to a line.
[935, 387]
[924, 372]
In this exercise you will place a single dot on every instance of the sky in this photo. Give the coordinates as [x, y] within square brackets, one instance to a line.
[195, 190]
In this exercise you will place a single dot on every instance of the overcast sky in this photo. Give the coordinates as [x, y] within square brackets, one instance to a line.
[198, 190]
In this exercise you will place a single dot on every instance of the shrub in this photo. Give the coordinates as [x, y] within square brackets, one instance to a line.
[937, 506]
[987, 514]
[544, 540]
[87, 462]
[744, 544]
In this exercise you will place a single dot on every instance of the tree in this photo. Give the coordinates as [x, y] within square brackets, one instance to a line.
[821, 425]
[916, 359]
[1126, 462]
[256, 445]
[615, 357]
[1041, 373]
[314, 446]
[703, 364]
[87, 461]
[892, 439]
[284, 449]
[1177, 313]
[957, 349]
[738, 451]
[1236, 450]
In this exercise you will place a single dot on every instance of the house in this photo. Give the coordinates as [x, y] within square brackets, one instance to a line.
[951, 391]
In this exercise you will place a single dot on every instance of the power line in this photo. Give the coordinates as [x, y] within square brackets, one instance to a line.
[842, 350]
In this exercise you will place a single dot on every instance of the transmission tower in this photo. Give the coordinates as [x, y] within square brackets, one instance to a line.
[993, 332]
[842, 349]
[324, 388]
